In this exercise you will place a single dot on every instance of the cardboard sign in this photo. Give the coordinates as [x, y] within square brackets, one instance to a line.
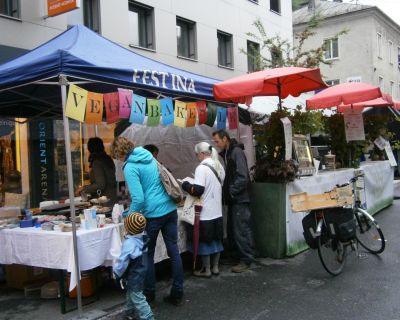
[287, 129]
[76, 103]
[354, 125]
[167, 111]
[221, 118]
[180, 114]
[111, 105]
[233, 118]
[94, 108]
[153, 112]
[381, 143]
[390, 155]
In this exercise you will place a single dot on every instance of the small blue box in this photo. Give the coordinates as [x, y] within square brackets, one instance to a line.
[27, 223]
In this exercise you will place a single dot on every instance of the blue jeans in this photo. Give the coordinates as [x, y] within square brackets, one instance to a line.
[136, 303]
[168, 225]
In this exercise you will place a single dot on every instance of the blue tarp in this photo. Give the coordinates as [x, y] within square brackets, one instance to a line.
[80, 53]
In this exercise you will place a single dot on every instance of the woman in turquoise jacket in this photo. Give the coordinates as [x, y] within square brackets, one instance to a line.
[149, 197]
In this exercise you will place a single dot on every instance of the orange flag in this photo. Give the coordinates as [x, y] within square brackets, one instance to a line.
[191, 114]
[94, 108]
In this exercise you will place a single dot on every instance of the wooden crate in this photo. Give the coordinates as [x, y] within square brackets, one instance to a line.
[338, 197]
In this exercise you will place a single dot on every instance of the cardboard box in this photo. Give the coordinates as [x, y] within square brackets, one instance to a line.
[9, 212]
[18, 276]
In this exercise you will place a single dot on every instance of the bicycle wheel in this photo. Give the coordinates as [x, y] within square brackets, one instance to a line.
[331, 252]
[369, 234]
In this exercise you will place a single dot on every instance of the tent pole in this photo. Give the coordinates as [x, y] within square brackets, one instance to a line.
[63, 82]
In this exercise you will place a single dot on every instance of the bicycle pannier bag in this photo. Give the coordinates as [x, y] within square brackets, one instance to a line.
[309, 228]
[343, 222]
[171, 186]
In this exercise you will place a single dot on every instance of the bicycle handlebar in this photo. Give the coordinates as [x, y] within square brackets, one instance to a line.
[352, 180]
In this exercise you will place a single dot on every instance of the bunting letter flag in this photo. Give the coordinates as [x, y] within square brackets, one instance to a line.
[202, 111]
[125, 103]
[211, 114]
[221, 118]
[76, 103]
[180, 114]
[94, 108]
[167, 111]
[190, 114]
[138, 109]
[153, 112]
[111, 104]
[232, 118]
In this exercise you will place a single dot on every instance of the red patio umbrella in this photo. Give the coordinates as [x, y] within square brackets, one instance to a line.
[344, 93]
[385, 101]
[279, 82]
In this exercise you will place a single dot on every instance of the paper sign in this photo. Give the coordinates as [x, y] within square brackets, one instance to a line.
[138, 112]
[153, 112]
[190, 114]
[167, 111]
[221, 118]
[211, 114]
[201, 111]
[94, 108]
[354, 125]
[180, 114]
[111, 105]
[125, 103]
[390, 155]
[381, 143]
[233, 118]
[287, 129]
[76, 103]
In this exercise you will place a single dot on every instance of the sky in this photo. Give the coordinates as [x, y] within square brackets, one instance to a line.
[390, 7]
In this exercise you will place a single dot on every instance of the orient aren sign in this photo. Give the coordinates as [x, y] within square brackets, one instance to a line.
[56, 7]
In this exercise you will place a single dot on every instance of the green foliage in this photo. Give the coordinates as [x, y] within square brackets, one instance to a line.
[297, 4]
[307, 122]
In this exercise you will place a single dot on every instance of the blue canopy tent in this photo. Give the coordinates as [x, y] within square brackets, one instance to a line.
[35, 84]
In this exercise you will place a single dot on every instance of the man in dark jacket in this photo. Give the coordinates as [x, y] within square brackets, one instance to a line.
[236, 197]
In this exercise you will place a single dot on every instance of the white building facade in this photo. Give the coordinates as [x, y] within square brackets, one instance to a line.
[205, 37]
[370, 50]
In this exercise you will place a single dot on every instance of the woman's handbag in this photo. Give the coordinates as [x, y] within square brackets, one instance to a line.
[187, 213]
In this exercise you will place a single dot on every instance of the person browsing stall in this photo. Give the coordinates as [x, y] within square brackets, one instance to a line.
[131, 267]
[236, 197]
[208, 177]
[149, 197]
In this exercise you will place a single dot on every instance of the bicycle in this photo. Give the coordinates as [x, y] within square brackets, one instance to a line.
[332, 230]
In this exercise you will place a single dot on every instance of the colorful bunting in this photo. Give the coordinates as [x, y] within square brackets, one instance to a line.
[153, 112]
[76, 103]
[190, 114]
[125, 103]
[167, 111]
[221, 118]
[111, 105]
[211, 114]
[138, 109]
[232, 118]
[94, 108]
[201, 111]
[180, 114]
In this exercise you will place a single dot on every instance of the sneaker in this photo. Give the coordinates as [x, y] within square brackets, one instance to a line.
[202, 273]
[174, 300]
[241, 267]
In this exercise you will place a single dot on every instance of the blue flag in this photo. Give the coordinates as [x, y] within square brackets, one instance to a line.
[221, 118]
[167, 111]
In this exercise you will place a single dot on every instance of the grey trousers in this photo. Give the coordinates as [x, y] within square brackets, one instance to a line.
[242, 231]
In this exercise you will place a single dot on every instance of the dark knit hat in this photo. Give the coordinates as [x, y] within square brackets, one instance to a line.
[135, 223]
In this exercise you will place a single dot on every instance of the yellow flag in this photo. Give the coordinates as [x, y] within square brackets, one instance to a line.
[180, 114]
[76, 103]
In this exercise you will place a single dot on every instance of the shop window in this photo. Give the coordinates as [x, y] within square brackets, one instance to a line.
[253, 56]
[276, 57]
[141, 25]
[91, 14]
[331, 48]
[186, 38]
[332, 82]
[225, 49]
[379, 45]
[10, 8]
[275, 6]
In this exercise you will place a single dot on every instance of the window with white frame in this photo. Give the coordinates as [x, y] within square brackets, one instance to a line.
[9, 8]
[186, 38]
[332, 82]
[380, 83]
[379, 45]
[91, 14]
[275, 5]
[391, 90]
[390, 52]
[225, 49]
[141, 25]
[253, 56]
[331, 48]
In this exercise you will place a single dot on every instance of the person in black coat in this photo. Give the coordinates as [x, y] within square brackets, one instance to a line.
[236, 197]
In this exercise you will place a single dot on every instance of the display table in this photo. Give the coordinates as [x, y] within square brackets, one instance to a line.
[278, 231]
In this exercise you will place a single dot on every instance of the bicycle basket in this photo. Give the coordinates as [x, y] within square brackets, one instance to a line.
[343, 221]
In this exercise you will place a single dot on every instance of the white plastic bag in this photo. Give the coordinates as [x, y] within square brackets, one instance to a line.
[187, 213]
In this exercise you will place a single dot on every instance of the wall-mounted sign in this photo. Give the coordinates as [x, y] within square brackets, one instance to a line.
[353, 79]
[56, 7]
